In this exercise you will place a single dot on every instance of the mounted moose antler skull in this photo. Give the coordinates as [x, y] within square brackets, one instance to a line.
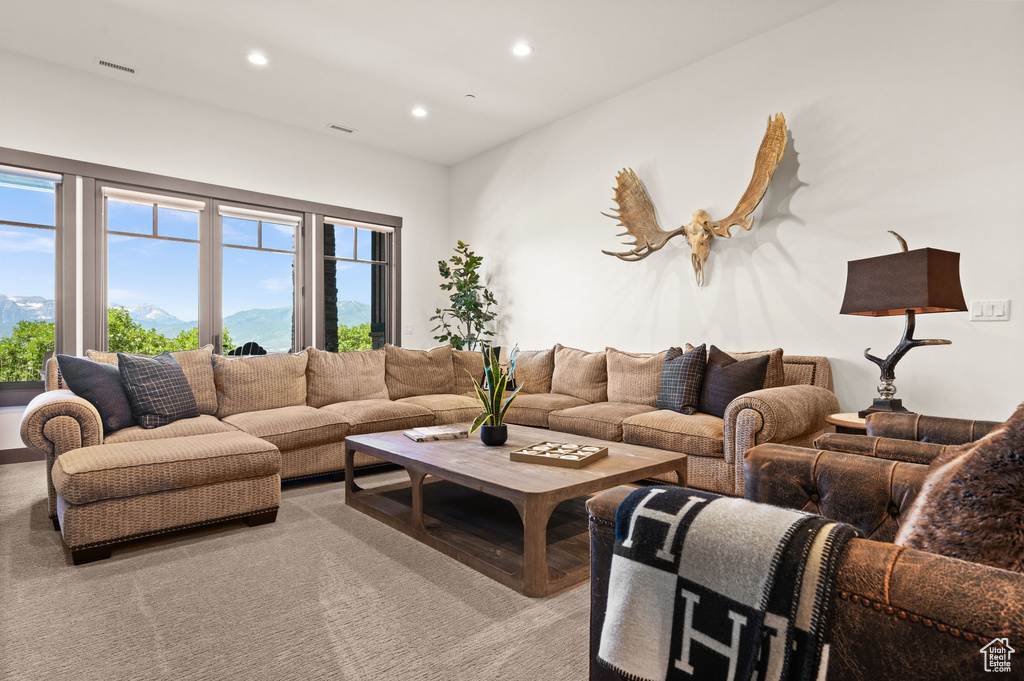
[636, 212]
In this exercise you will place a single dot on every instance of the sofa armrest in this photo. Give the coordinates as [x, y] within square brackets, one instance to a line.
[935, 429]
[881, 447]
[906, 614]
[869, 493]
[775, 415]
[58, 421]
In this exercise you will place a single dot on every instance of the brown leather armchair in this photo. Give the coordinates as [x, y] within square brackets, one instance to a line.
[899, 613]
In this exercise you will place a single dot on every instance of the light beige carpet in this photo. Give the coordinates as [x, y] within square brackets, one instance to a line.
[323, 593]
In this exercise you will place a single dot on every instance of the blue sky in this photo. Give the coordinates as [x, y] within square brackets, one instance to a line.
[158, 272]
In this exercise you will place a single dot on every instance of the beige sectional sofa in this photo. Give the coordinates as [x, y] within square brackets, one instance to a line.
[286, 416]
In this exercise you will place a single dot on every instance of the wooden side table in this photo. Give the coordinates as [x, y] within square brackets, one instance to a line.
[850, 423]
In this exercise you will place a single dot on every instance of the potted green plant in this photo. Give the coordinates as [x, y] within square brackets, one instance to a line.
[490, 422]
[463, 322]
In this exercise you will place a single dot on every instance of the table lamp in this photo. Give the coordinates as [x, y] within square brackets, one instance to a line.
[907, 283]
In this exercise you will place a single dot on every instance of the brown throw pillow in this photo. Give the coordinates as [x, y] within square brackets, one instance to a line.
[580, 374]
[534, 369]
[775, 377]
[972, 504]
[725, 379]
[197, 365]
[344, 376]
[409, 373]
[469, 364]
[259, 382]
[635, 378]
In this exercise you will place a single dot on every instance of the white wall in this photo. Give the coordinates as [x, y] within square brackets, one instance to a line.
[63, 112]
[902, 116]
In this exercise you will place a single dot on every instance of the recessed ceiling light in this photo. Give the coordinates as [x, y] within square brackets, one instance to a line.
[257, 59]
[522, 49]
[419, 112]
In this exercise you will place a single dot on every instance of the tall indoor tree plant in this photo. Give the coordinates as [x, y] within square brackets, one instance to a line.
[463, 322]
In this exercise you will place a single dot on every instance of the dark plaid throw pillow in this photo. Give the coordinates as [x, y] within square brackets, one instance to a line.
[157, 389]
[725, 379]
[101, 385]
[681, 379]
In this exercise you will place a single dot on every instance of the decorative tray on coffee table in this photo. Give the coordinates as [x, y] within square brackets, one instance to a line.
[559, 454]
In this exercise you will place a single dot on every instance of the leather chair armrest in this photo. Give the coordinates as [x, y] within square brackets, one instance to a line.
[602, 540]
[906, 614]
[881, 447]
[869, 493]
[935, 429]
[55, 422]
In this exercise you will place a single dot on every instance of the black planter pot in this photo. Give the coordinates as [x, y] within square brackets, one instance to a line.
[493, 435]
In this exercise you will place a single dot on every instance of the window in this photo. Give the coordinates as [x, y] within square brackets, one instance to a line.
[28, 240]
[98, 257]
[152, 271]
[258, 275]
[355, 291]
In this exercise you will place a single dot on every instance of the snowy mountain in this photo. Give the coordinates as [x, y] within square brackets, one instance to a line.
[14, 309]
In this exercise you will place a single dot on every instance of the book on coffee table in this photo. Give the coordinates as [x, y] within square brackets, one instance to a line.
[432, 433]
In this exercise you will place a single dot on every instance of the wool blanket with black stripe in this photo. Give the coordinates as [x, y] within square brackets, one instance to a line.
[709, 587]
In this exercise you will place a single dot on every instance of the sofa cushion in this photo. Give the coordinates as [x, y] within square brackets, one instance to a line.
[775, 376]
[533, 409]
[682, 377]
[635, 378]
[259, 382]
[971, 506]
[101, 385]
[196, 364]
[377, 416]
[726, 378]
[534, 369]
[602, 420]
[204, 424]
[291, 427]
[418, 372]
[580, 374]
[131, 469]
[697, 434]
[468, 364]
[157, 389]
[343, 376]
[448, 408]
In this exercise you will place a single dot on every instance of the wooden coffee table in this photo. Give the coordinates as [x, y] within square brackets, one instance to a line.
[449, 502]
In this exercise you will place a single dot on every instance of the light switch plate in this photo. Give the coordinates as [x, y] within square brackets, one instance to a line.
[407, 329]
[990, 310]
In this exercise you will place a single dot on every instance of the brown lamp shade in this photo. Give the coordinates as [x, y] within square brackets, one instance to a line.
[923, 280]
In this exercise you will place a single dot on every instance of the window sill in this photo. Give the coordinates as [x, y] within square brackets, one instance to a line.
[19, 393]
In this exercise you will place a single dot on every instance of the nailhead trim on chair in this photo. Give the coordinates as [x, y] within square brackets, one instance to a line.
[601, 521]
[916, 619]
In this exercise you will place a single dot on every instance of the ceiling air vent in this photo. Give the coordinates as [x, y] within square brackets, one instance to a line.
[340, 128]
[112, 65]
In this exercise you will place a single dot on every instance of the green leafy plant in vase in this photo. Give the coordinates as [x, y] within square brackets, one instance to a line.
[491, 421]
[463, 322]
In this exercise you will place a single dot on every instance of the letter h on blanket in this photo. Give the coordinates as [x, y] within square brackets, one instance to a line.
[708, 587]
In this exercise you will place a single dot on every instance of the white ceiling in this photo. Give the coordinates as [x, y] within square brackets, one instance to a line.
[365, 64]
